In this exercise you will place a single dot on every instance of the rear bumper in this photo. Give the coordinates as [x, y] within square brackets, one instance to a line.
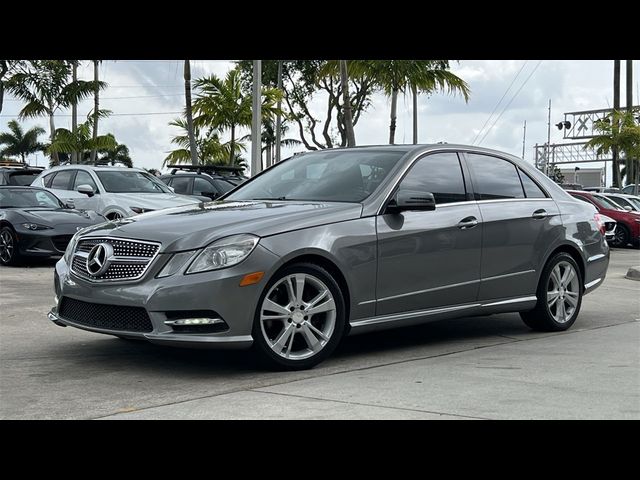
[596, 271]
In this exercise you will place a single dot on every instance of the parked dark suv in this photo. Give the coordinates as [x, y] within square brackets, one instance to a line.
[210, 181]
[18, 175]
[338, 242]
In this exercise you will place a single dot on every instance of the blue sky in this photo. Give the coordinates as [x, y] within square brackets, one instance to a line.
[143, 94]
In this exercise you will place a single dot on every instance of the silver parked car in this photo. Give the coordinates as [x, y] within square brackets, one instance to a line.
[115, 192]
[338, 242]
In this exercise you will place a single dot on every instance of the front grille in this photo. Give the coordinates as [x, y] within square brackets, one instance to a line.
[61, 242]
[130, 259]
[107, 317]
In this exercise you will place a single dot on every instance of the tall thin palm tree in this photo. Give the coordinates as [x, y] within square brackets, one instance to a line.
[346, 102]
[20, 143]
[189, 113]
[45, 87]
[96, 108]
[74, 108]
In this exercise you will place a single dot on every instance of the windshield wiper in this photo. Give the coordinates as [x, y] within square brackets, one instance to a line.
[272, 198]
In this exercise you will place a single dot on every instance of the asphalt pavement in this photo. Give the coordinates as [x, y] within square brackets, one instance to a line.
[489, 367]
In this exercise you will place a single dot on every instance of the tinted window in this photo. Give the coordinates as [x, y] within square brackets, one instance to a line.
[623, 202]
[3, 180]
[27, 198]
[327, 175]
[531, 188]
[200, 185]
[83, 178]
[440, 174]
[582, 198]
[181, 184]
[46, 180]
[494, 178]
[223, 185]
[606, 203]
[62, 179]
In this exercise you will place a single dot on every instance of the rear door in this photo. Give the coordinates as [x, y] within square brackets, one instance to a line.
[182, 184]
[429, 259]
[520, 220]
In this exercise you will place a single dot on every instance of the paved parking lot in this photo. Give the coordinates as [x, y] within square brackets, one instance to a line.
[482, 367]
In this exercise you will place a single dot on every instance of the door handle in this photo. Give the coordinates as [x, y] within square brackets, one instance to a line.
[468, 222]
[542, 213]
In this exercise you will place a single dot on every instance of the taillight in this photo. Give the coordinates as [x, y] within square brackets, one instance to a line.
[601, 226]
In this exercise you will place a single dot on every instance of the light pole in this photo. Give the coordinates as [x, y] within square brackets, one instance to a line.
[575, 175]
[256, 144]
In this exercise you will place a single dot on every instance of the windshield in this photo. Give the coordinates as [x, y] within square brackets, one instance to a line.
[24, 198]
[131, 182]
[331, 176]
[623, 202]
[606, 203]
[635, 202]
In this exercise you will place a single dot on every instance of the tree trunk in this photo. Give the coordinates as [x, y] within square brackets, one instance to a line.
[232, 144]
[279, 115]
[96, 106]
[394, 108]
[74, 113]
[415, 114]
[615, 164]
[189, 112]
[4, 68]
[52, 127]
[346, 102]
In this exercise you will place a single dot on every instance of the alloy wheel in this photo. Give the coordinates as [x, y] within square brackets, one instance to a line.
[298, 316]
[6, 246]
[563, 292]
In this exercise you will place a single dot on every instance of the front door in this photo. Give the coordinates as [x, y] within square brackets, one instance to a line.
[430, 259]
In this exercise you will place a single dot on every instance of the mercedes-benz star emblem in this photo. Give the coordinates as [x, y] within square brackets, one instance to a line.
[99, 259]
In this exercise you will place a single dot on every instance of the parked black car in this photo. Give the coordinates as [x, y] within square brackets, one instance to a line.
[34, 222]
[18, 175]
[210, 181]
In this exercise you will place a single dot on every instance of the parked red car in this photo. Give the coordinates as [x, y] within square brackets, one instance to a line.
[628, 228]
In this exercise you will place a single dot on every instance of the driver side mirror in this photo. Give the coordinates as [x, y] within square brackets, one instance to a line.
[628, 208]
[86, 189]
[412, 200]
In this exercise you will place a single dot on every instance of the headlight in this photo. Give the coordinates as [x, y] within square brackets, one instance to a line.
[35, 226]
[68, 253]
[175, 264]
[141, 210]
[224, 253]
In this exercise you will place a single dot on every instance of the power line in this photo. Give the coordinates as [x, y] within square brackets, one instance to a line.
[510, 101]
[117, 98]
[111, 115]
[499, 101]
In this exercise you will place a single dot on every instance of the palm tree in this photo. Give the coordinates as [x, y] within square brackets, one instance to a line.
[83, 142]
[222, 104]
[270, 140]
[117, 154]
[19, 142]
[96, 108]
[209, 148]
[45, 88]
[399, 76]
[189, 112]
[618, 131]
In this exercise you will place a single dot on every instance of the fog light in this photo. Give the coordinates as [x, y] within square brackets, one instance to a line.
[194, 321]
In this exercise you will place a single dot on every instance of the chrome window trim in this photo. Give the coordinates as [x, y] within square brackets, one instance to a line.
[123, 259]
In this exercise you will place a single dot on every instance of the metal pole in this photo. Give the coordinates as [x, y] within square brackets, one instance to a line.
[279, 115]
[524, 137]
[548, 136]
[256, 144]
[629, 84]
[616, 107]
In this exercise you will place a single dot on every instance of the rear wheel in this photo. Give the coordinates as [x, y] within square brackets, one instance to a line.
[300, 318]
[559, 296]
[9, 254]
[115, 216]
[621, 236]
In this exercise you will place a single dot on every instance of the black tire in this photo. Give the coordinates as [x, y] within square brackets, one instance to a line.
[263, 350]
[10, 254]
[621, 236]
[541, 318]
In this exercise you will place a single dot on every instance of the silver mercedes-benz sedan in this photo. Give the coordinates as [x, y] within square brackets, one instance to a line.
[338, 242]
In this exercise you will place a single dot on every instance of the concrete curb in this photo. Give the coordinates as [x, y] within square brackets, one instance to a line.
[633, 273]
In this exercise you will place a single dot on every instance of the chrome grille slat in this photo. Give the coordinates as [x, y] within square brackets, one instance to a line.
[130, 261]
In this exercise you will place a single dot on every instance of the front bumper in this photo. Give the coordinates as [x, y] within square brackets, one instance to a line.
[217, 291]
[43, 243]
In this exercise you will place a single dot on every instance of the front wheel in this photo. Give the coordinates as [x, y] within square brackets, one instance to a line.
[621, 236]
[9, 254]
[300, 317]
[559, 296]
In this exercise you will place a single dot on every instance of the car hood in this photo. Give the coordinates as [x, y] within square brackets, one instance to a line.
[155, 201]
[189, 227]
[52, 217]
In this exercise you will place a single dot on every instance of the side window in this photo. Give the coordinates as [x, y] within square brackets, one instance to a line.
[3, 180]
[223, 186]
[181, 184]
[583, 199]
[46, 180]
[440, 174]
[83, 178]
[200, 185]
[494, 178]
[62, 179]
[531, 188]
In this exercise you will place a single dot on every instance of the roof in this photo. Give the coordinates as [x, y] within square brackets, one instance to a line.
[99, 168]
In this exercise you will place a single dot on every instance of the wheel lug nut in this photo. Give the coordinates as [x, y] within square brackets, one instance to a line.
[306, 318]
[298, 326]
[289, 320]
[292, 308]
